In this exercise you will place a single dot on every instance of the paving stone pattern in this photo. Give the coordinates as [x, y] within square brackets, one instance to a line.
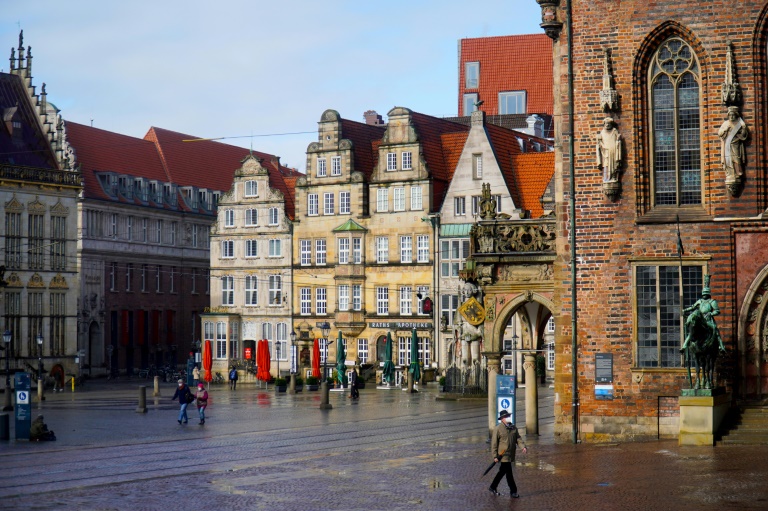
[389, 451]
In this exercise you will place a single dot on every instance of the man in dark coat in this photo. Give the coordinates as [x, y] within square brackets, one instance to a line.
[504, 441]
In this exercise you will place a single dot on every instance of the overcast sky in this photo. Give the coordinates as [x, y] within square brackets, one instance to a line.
[236, 68]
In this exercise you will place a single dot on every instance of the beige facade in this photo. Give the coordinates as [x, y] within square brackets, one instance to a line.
[251, 276]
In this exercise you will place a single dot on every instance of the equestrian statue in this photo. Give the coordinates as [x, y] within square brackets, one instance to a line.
[702, 341]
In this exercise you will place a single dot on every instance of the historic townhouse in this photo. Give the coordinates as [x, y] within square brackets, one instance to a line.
[145, 217]
[39, 189]
[517, 181]
[331, 239]
[669, 134]
[251, 273]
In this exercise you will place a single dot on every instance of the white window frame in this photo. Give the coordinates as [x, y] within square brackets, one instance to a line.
[472, 75]
[469, 101]
[407, 160]
[422, 248]
[382, 200]
[382, 250]
[251, 217]
[275, 248]
[305, 251]
[362, 350]
[329, 208]
[406, 249]
[357, 297]
[382, 301]
[345, 203]
[322, 170]
[251, 290]
[313, 204]
[343, 291]
[221, 340]
[459, 206]
[305, 301]
[275, 290]
[274, 216]
[321, 301]
[251, 248]
[424, 292]
[453, 256]
[251, 189]
[417, 198]
[229, 218]
[344, 250]
[398, 198]
[336, 166]
[357, 250]
[477, 166]
[227, 291]
[321, 252]
[391, 162]
[517, 98]
[406, 300]
[227, 249]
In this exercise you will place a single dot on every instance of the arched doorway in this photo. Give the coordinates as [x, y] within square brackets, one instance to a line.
[753, 339]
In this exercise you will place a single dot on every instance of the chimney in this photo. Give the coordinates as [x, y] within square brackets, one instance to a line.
[373, 119]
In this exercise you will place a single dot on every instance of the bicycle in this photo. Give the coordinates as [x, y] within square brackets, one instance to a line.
[218, 378]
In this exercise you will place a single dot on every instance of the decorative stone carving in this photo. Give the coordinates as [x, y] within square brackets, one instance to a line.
[487, 203]
[733, 133]
[58, 282]
[609, 156]
[36, 281]
[526, 273]
[528, 237]
[731, 90]
[609, 97]
[14, 281]
[549, 22]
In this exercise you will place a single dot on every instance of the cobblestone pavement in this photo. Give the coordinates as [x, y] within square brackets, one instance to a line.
[389, 451]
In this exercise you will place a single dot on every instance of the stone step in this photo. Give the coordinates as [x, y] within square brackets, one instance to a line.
[750, 427]
[744, 439]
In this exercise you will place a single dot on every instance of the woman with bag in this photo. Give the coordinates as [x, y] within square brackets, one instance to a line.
[202, 402]
[185, 396]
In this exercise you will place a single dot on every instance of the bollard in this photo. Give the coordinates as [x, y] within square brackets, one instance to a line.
[157, 386]
[40, 388]
[324, 404]
[142, 408]
[73, 383]
[5, 426]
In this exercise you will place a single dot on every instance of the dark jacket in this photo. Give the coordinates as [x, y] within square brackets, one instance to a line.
[504, 442]
[233, 374]
[181, 394]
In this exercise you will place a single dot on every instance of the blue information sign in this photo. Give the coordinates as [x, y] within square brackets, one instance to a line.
[505, 395]
[23, 413]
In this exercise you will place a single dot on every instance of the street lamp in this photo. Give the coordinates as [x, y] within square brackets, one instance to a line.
[39, 356]
[110, 348]
[324, 404]
[292, 385]
[515, 338]
[277, 356]
[7, 337]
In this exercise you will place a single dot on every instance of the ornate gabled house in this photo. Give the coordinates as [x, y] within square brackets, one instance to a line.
[39, 191]
[251, 275]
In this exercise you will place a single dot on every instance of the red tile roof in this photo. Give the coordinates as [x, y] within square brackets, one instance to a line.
[97, 150]
[363, 136]
[532, 173]
[506, 147]
[509, 63]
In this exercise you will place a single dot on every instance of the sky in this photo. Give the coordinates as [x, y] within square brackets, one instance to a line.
[250, 69]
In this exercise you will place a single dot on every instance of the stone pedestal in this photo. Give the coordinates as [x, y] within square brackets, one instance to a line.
[701, 413]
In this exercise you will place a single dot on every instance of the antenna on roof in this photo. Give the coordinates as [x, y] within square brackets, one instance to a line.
[251, 152]
[91, 123]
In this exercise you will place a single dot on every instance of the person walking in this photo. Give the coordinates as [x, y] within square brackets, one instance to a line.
[504, 441]
[233, 379]
[201, 401]
[185, 396]
[195, 375]
[354, 392]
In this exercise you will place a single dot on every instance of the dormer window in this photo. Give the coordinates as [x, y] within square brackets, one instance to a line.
[251, 188]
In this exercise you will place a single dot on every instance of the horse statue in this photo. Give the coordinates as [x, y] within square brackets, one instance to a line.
[703, 341]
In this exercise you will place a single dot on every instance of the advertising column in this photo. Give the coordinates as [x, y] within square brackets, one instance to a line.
[23, 414]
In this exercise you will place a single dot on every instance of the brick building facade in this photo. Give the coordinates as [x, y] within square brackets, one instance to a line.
[668, 75]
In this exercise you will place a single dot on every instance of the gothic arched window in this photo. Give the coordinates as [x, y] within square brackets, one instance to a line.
[676, 128]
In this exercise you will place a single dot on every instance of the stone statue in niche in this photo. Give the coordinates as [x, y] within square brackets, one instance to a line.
[609, 151]
[733, 133]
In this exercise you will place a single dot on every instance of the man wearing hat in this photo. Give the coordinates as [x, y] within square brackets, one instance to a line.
[504, 442]
[185, 396]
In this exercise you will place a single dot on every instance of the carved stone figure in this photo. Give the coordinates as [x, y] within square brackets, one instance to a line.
[733, 133]
[703, 340]
[609, 151]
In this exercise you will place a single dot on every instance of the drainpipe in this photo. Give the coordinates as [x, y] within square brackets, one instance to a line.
[572, 221]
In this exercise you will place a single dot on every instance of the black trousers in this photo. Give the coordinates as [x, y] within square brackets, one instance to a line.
[505, 468]
[355, 393]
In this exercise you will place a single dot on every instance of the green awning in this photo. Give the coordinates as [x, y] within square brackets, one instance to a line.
[350, 225]
[455, 230]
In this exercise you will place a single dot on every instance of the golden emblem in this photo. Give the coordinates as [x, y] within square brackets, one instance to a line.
[472, 311]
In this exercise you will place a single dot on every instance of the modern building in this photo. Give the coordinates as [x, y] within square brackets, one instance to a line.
[39, 189]
[679, 196]
[251, 272]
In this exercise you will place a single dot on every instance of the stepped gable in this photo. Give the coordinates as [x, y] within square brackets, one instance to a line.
[365, 140]
[98, 150]
[510, 63]
[30, 148]
[429, 131]
[531, 172]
